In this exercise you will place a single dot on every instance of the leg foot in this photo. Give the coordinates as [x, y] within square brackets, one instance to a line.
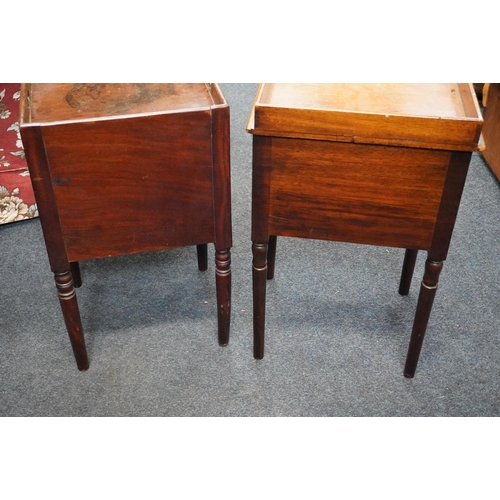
[425, 300]
[223, 285]
[202, 252]
[71, 314]
[407, 274]
[259, 275]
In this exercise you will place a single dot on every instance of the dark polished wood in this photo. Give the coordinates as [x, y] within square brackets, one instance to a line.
[373, 202]
[379, 164]
[202, 254]
[260, 236]
[178, 180]
[223, 287]
[407, 273]
[259, 277]
[424, 306]
[222, 217]
[71, 313]
[75, 272]
[271, 256]
[127, 168]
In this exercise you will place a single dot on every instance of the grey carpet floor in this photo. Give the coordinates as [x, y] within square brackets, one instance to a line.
[337, 329]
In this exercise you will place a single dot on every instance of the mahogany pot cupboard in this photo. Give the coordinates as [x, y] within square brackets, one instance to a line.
[83, 145]
[379, 164]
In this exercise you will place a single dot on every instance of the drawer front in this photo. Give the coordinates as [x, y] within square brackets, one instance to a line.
[131, 185]
[378, 195]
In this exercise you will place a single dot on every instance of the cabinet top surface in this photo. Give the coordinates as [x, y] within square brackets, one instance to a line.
[59, 102]
[410, 99]
[419, 115]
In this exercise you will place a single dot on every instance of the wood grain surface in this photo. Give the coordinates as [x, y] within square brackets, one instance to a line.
[436, 116]
[379, 195]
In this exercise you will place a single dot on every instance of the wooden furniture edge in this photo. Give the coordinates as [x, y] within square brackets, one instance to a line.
[215, 93]
[26, 89]
[250, 127]
[24, 109]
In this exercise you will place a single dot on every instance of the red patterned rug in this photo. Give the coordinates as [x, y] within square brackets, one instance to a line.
[17, 200]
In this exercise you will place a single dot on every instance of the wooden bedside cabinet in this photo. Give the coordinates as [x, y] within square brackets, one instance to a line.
[127, 168]
[380, 164]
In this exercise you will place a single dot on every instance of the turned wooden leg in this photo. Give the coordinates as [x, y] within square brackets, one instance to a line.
[259, 275]
[425, 300]
[407, 274]
[202, 251]
[71, 314]
[75, 272]
[271, 257]
[223, 285]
